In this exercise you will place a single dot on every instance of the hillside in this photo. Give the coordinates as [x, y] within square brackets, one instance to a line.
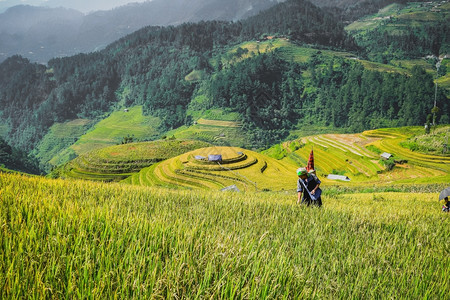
[247, 170]
[401, 31]
[357, 156]
[13, 160]
[59, 28]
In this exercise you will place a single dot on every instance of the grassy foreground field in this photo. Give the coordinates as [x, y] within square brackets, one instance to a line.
[78, 239]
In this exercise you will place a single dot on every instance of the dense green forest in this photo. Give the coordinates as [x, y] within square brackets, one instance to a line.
[16, 159]
[404, 30]
[271, 93]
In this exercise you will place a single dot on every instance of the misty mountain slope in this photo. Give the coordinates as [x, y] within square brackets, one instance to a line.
[38, 32]
[68, 32]
[84, 6]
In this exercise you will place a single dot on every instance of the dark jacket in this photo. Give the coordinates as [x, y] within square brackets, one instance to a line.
[310, 182]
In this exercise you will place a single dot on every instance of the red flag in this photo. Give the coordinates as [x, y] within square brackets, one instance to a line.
[310, 165]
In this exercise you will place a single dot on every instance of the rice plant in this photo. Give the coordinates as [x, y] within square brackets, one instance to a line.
[78, 239]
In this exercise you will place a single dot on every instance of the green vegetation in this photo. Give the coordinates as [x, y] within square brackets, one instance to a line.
[213, 131]
[53, 150]
[432, 143]
[15, 159]
[112, 130]
[73, 239]
[3, 130]
[402, 31]
[215, 114]
[195, 75]
[289, 70]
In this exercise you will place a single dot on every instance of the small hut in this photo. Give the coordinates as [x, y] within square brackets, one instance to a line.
[386, 155]
[338, 177]
[215, 157]
[231, 188]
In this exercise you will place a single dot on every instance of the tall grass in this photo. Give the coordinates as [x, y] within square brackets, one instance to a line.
[90, 240]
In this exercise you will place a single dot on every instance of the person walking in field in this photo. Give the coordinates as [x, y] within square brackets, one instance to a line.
[446, 206]
[308, 190]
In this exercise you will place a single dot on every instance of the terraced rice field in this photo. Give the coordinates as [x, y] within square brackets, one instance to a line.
[219, 123]
[246, 169]
[119, 162]
[217, 132]
[422, 165]
[343, 154]
[348, 154]
[176, 164]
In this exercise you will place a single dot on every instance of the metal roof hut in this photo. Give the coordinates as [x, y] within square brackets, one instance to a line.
[218, 155]
[231, 188]
[210, 155]
[215, 157]
[338, 177]
[386, 155]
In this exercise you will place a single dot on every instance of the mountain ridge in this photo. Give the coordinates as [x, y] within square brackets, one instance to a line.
[93, 31]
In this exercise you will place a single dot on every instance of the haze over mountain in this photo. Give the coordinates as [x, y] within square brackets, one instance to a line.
[84, 6]
[41, 33]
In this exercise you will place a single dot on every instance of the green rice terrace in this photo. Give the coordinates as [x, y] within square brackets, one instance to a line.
[358, 157]
[355, 157]
[217, 132]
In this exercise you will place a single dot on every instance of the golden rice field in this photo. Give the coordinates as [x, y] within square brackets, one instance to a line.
[78, 239]
[118, 162]
[248, 170]
[350, 155]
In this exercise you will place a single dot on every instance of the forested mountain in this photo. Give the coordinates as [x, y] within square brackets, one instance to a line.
[270, 90]
[14, 159]
[404, 31]
[41, 33]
